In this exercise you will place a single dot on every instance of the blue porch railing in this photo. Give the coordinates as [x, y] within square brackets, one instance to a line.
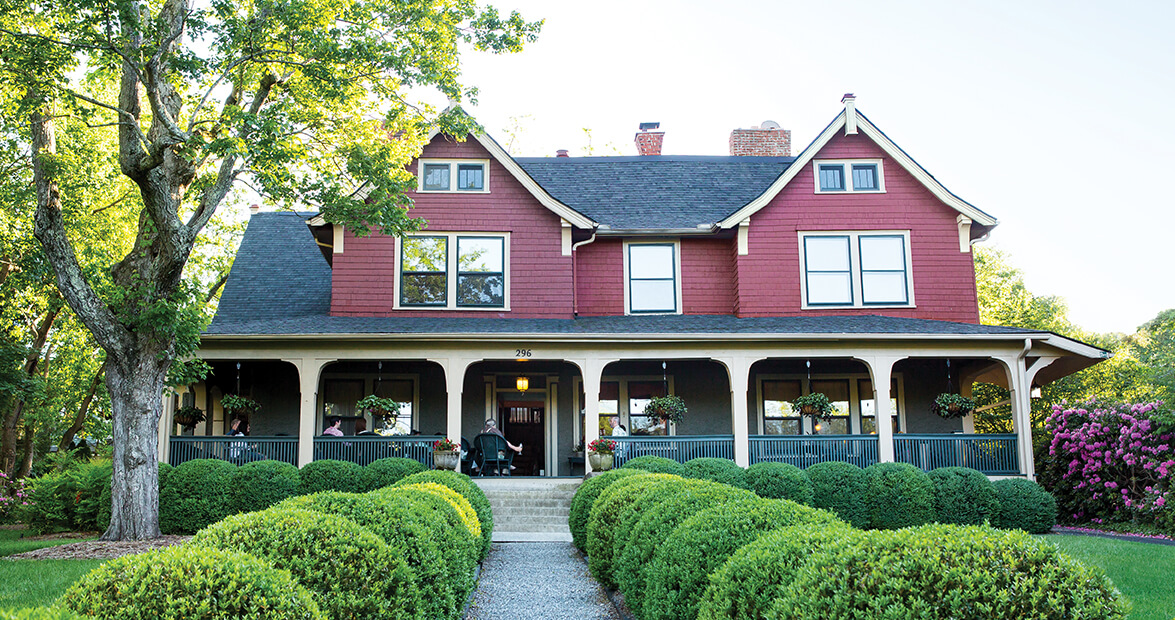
[367, 448]
[680, 448]
[238, 450]
[806, 450]
[994, 455]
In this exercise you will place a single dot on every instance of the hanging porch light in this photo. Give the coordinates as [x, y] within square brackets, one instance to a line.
[522, 383]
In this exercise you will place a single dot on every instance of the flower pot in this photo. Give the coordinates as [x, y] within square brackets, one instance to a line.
[600, 462]
[448, 459]
[808, 410]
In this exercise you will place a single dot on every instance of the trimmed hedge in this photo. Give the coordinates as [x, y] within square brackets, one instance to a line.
[189, 583]
[840, 488]
[196, 495]
[463, 485]
[656, 465]
[389, 471]
[702, 543]
[780, 481]
[1025, 505]
[900, 495]
[330, 475]
[946, 571]
[964, 496]
[650, 499]
[656, 524]
[261, 484]
[606, 514]
[464, 508]
[350, 570]
[466, 549]
[585, 496]
[718, 470]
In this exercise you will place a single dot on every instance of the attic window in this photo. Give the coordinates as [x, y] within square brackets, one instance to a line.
[849, 176]
[453, 176]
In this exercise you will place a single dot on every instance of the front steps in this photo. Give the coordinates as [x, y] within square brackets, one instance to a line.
[530, 509]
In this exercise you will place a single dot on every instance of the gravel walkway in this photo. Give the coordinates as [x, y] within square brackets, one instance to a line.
[537, 580]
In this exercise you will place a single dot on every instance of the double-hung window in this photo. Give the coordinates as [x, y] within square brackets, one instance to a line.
[856, 269]
[848, 176]
[652, 278]
[454, 271]
[458, 175]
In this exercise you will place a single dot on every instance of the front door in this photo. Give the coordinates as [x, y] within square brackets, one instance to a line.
[522, 423]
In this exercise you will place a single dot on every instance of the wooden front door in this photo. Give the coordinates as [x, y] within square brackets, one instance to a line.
[522, 423]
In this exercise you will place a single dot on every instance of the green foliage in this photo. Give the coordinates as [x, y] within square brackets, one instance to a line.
[780, 481]
[607, 511]
[702, 543]
[464, 508]
[718, 470]
[195, 495]
[949, 406]
[388, 471]
[669, 408]
[656, 495]
[235, 405]
[946, 571]
[655, 464]
[261, 484]
[39, 613]
[1154, 346]
[899, 495]
[1025, 505]
[77, 499]
[330, 475]
[351, 571]
[585, 497]
[472, 493]
[461, 545]
[814, 404]
[191, 583]
[964, 496]
[841, 488]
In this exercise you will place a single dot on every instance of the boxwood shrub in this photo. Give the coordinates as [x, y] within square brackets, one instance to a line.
[607, 512]
[900, 495]
[77, 499]
[947, 571]
[655, 464]
[261, 484]
[350, 570]
[758, 574]
[457, 542]
[780, 481]
[703, 542]
[413, 536]
[330, 475]
[464, 508]
[840, 488]
[196, 495]
[463, 485]
[648, 535]
[190, 583]
[718, 470]
[585, 496]
[964, 496]
[389, 471]
[657, 494]
[1025, 505]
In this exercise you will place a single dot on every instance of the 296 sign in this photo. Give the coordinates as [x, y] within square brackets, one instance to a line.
[522, 353]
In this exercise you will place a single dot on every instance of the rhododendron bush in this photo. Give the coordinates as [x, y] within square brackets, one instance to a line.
[1112, 462]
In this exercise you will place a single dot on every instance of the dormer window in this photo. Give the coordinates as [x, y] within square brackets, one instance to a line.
[849, 176]
[458, 175]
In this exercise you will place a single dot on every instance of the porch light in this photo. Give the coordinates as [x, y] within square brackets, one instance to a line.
[522, 383]
[818, 427]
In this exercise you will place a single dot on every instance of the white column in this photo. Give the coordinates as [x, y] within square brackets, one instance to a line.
[165, 426]
[881, 369]
[739, 369]
[455, 368]
[965, 391]
[593, 370]
[309, 370]
[1020, 393]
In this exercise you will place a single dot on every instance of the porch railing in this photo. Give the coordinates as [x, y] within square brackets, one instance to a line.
[680, 449]
[238, 450]
[367, 448]
[806, 450]
[994, 455]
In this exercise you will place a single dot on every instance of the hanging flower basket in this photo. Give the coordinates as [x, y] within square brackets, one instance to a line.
[950, 406]
[815, 405]
[235, 405]
[188, 417]
[378, 407]
[667, 408]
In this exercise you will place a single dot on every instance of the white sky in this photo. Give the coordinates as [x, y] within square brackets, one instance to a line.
[1052, 116]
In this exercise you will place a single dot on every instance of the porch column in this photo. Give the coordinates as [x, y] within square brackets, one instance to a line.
[965, 391]
[455, 368]
[593, 370]
[309, 369]
[165, 426]
[1020, 395]
[739, 369]
[881, 369]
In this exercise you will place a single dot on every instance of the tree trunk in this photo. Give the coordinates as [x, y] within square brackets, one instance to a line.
[28, 445]
[8, 436]
[79, 420]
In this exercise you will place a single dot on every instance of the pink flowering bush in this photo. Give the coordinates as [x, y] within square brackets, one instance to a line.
[13, 495]
[1112, 463]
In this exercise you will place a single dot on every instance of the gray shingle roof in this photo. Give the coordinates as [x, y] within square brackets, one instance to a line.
[655, 192]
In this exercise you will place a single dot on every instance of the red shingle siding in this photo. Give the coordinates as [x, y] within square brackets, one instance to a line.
[599, 272]
[707, 276]
[769, 277]
[363, 282]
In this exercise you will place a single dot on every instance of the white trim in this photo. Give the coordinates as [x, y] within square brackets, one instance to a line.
[846, 167]
[855, 267]
[338, 238]
[452, 164]
[854, 397]
[451, 271]
[676, 243]
[964, 224]
[565, 237]
[744, 243]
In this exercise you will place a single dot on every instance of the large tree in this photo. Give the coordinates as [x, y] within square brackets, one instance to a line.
[309, 102]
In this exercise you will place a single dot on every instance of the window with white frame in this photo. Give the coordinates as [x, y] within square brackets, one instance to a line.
[454, 270]
[856, 269]
[868, 406]
[652, 274]
[625, 398]
[848, 176]
[851, 397]
[459, 175]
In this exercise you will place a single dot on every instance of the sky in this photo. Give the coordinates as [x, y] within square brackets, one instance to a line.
[1051, 116]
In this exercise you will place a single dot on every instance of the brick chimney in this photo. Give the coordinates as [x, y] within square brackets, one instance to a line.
[649, 142]
[766, 140]
[561, 153]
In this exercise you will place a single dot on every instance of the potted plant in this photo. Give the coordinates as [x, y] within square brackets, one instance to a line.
[188, 417]
[668, 408]
[951, 406]
[378, 407]
[577, 449]
[600, 454]
[446, 454]
[815, 405]
[235, 405]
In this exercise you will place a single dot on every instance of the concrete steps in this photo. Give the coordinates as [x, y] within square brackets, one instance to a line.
[529, 509]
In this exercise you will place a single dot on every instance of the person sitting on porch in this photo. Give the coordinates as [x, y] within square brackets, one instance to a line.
[235, 428]
[361, 427]
[618, 429]
[492, 427]
[333, 426]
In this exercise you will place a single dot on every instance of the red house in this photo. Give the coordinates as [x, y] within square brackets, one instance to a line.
[553, 294]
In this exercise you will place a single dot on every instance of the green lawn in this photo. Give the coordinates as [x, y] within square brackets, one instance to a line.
[1142, 571]
[16, 541]
[33, 583]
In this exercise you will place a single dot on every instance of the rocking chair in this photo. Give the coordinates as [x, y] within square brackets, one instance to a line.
[492, 453]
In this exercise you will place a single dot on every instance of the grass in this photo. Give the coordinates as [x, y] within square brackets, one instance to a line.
[1142, 571]
[17, 541]
[35, 583]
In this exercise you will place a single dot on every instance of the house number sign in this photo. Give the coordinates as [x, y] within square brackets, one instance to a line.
[522, 353]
